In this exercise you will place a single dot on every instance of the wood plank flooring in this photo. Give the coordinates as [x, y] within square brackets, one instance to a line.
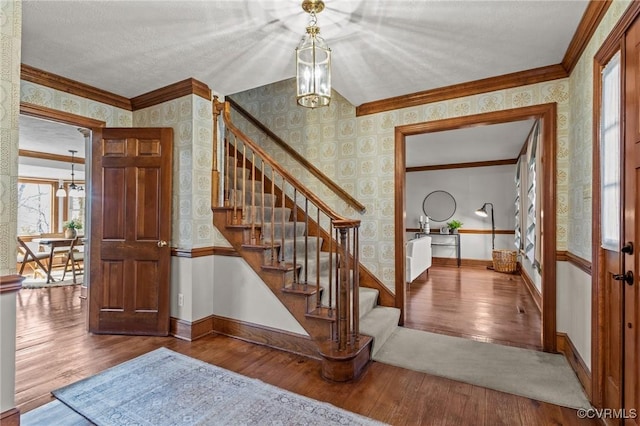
[53, 349]
[475, 303]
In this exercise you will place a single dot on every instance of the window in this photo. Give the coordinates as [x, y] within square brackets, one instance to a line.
[35, 207]
[518, 202]
[610, 155]
[76, 208]
[527, 196]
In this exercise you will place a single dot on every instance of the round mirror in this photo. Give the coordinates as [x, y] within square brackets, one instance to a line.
[439, 206]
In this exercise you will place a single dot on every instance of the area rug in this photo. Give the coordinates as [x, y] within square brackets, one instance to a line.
[163, 387]
[30, 282]
[53, 413]
[533, 374]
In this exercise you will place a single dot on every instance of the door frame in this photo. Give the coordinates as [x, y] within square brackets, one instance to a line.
[547, 113]
[92, 124]
[613, 43]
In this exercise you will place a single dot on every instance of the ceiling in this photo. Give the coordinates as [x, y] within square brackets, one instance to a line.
[472, 144]
[51, 138]
[132, 47]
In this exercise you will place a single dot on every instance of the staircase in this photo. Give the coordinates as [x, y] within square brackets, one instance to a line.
[305, 253]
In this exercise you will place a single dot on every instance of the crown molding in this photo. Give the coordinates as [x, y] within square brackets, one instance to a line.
[49, 156]
[190, 86]
[506, 81]
[506, 162]
[38, 76]
[588, 24]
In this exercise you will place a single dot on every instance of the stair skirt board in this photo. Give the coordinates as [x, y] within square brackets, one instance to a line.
[273, 223]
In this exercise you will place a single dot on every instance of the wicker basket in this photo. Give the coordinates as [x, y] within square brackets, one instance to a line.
[505, 260]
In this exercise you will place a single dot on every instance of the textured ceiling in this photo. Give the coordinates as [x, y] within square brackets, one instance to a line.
[483, 143]
[381, 48]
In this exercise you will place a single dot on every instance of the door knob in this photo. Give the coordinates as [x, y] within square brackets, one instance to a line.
[628, 277]
[627, 248]
[162, 243]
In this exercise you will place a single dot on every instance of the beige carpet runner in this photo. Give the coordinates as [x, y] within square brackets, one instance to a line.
[533, 374]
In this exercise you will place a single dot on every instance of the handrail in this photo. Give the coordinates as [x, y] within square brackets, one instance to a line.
[268, 160]
[300, 159]
[319, 263]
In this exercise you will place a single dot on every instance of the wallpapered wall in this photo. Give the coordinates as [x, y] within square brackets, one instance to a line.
[62, 101]
[10, 42]
[581, 137]
[358, 152]
[190, 118]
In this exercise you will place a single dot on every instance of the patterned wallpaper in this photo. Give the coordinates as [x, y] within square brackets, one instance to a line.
[190, 117]
[191, 120]
[62, 101]
[357, 152]
[580, 138]
[10, 44]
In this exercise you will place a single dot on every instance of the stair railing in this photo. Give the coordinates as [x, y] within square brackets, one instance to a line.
[250, 175]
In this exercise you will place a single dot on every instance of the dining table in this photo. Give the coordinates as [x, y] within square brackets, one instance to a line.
[53, 243]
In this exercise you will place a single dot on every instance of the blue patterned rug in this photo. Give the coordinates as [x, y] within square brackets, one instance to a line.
[163, 387]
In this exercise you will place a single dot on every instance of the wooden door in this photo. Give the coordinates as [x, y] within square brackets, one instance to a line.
[631, 369]
[131, 225]
[608, 232]
[613, 314]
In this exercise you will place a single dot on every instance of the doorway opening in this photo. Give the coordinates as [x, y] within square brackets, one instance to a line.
[546, 114]
[47, 138]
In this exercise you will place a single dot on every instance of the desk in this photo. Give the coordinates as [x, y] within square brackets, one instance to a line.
[53, 243]
[451, 240]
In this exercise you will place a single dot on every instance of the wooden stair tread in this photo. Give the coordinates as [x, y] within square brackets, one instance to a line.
[307, 290]
[258, 247]
[329, 348]
[323, 313]
[284, 267]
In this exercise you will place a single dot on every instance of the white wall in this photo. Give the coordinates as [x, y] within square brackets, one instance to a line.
[7, 350]
[573, 307]
[471, 188]
[239, 293]
[193, 278]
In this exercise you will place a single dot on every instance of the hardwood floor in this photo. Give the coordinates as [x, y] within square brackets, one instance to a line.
[475, 303]
[53, 349]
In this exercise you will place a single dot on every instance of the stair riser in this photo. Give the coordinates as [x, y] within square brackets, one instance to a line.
[251, 199]
[310, 248]
[289, 230]
[255, 215]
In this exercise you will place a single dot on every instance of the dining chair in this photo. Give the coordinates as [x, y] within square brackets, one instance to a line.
[28, 254]
[74, 259]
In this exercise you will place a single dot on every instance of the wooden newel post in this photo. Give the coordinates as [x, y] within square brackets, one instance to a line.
[347, 303]
[215, 173]
[343, 290]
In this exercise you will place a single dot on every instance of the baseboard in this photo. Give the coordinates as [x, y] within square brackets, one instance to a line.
[190, 331]
[267, 336]
[531, 287]
[565, 346]
[252, 333]
[452, 261]
[10, 417]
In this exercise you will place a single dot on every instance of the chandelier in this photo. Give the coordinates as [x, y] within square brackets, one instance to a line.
[313, 62]
[74, 190]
